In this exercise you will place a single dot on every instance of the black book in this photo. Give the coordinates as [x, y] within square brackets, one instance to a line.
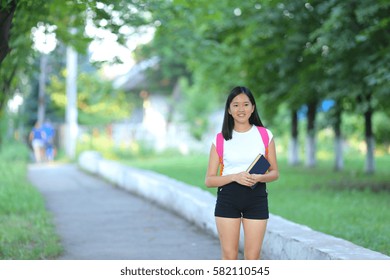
[259, 166]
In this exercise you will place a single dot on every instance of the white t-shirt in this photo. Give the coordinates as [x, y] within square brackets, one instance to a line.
[240, 151]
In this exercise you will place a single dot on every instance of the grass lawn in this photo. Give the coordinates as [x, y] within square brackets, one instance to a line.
[26, 229]
[348, 204]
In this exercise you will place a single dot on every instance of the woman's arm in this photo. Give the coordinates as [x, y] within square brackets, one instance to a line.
[273, 172]
[214, 180]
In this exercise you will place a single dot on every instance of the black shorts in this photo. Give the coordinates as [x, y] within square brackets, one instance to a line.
[236, 201]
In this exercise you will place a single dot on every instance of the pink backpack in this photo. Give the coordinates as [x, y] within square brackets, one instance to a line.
[220, 141]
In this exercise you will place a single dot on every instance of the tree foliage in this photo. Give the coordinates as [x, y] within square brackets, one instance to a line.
[299, 53]
[295, 53]
[70, 19]
[98, 102]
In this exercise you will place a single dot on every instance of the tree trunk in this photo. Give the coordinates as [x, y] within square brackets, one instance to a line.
[310, 139]
[71, 107]
[370, 142]
[5, 88]
[294, 147]
[339, 159]
[175, 98]
[6, 16]
[42, 89]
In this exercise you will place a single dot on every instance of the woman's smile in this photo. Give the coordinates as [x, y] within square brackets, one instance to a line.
[241, 107]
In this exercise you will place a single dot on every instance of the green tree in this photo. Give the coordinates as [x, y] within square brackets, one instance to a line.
[98, 102]
[355, 35]
[281, 68]
[196, 109]
[295, 52]
[70, 19]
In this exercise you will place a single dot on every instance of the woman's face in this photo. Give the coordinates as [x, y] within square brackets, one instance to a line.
[241, 108]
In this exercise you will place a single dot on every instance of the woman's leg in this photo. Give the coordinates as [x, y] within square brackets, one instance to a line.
[43, 154]
[229, 236]
[254, 231]
[37, 151]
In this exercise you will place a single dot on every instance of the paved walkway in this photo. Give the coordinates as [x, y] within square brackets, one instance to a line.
[98, 221]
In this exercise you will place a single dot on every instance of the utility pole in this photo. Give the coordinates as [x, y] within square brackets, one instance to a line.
[45, 42]
[42, 88]
[71, 130]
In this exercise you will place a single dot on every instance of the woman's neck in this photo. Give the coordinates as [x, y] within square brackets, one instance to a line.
[242, 127]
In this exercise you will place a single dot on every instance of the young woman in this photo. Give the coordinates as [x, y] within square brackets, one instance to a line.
[236, 201]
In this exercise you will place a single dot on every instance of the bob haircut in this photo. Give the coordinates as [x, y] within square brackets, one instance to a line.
[228, 121]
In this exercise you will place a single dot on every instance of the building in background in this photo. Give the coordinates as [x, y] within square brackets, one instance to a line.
[157, 123]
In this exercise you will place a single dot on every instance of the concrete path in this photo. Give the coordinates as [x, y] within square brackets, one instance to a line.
[98, 221]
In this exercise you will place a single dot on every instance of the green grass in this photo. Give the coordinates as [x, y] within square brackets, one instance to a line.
[348, 204]
[26, 229]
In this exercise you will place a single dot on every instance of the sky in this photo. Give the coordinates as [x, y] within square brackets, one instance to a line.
[105, 47]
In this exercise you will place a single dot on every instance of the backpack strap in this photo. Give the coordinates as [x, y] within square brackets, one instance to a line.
[265, 138]
[220, 140]
[219, 149]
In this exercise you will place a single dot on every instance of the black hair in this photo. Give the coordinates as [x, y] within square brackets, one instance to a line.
[228, 121]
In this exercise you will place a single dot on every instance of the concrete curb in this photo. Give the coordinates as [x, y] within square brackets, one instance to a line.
[283, 240]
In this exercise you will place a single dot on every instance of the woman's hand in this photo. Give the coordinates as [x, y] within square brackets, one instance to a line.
[257, 177]
[245, 179]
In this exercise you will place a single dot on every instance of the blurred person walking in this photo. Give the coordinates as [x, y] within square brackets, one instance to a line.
[49, 140]
[37, 138]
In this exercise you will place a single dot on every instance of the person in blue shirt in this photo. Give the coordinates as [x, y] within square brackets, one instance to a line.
[37, 138]
[49, 140]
